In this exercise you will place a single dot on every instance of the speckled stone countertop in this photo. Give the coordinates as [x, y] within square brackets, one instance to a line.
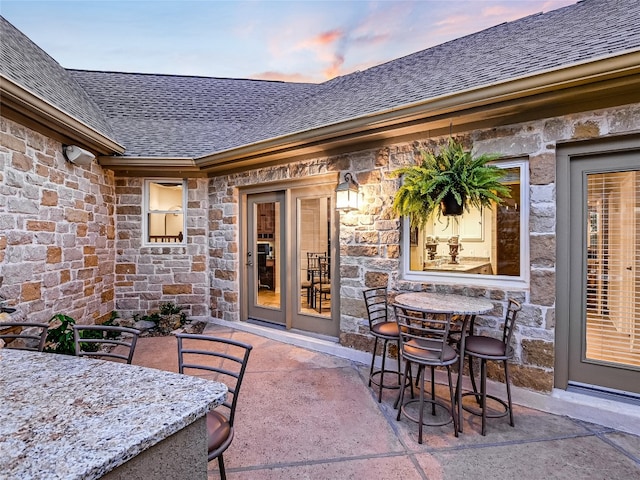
[64, 417]
[445, 303]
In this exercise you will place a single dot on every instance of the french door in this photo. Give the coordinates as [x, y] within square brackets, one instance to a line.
[265, 257]
[290, 263]
[604, 292]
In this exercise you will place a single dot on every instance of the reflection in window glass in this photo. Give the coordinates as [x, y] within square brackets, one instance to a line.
[480, 241]
[165, 211]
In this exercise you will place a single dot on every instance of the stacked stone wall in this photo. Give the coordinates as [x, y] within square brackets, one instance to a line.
[147, 276]
[370, 242]
[370, 257]
[57, 230]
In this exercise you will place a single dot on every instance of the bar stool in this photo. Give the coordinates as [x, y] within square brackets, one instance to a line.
[423, 341]
[385, 330]
[491, 349]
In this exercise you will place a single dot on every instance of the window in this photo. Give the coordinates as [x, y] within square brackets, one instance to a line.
[489, 246]
[164, 211]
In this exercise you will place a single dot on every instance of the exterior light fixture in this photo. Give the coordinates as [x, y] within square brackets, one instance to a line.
[347, 194]
[77, 155]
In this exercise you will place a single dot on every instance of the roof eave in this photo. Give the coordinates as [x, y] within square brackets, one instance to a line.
[307, 141]
[152, 166]
[18, 101]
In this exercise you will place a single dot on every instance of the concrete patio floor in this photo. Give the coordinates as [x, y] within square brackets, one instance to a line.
[309, 415]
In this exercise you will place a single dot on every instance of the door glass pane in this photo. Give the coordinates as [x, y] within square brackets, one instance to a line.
[613, 268]
[268, 248]
[314, 255]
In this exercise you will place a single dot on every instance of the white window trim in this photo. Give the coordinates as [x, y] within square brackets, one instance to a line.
[499, 281]
[145, 213]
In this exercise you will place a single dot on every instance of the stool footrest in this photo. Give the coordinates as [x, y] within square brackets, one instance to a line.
[428, 402]
[478, 411]
[376, 377]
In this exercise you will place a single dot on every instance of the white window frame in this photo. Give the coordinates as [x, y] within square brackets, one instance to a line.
[500, 281]
[146, 211]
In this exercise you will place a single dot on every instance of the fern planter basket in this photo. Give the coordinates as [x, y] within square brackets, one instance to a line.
[447, 182]
[449, 206]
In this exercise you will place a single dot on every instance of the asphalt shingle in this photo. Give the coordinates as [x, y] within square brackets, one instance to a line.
[165, 115]
[31, 67]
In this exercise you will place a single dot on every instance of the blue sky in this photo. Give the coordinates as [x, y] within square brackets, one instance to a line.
[308, 41]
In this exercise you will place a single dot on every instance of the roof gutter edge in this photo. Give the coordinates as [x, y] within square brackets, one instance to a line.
[520, 87]
[14, 96]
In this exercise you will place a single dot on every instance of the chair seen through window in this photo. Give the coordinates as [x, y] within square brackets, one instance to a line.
[322, 285]
[312, 273]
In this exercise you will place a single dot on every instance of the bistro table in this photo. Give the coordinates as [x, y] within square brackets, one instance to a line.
[66, 417]
[448, 304]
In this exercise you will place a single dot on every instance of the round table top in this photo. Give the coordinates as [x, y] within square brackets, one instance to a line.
[444, 303]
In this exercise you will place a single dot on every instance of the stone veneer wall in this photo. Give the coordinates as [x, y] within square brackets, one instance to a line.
[147, 276]
[57, 230]
[370, 245]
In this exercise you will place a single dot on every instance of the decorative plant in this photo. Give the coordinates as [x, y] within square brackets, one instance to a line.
[170, 308]
[451, 174]
[60, 338]
[169, 317]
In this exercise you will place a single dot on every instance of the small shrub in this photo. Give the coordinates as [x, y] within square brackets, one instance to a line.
[60, 338]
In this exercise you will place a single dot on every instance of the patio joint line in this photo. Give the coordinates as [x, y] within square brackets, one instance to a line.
[320, 461]
[501, 444]
[632, 457]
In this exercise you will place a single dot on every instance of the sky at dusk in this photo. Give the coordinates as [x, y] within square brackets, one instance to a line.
[306, 41]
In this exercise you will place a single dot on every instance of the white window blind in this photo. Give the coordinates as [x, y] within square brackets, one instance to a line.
[613, 268]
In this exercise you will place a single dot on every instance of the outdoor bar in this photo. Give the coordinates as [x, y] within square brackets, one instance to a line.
[66, 418]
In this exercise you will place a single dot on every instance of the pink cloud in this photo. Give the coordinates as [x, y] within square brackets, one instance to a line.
[284, 77]
[322, 39]
[328, 37]
[334, 69]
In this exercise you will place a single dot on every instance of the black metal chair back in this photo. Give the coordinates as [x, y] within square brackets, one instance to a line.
[102, 341]
[225, 361]
[24, 335]
[377, 306]
[225, 358]
[423, 338]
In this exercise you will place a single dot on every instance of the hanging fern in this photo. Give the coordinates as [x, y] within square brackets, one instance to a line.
[451, 171]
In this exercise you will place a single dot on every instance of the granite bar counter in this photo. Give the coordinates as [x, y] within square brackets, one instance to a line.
[63, 417]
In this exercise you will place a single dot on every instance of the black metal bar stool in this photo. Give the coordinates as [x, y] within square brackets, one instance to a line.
[490, 349]
[423, 341]
[381, 329]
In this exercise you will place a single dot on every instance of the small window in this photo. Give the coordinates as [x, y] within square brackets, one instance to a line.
[489, 246]
[164, 211]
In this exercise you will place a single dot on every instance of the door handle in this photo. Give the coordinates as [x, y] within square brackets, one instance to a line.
[629, 268]
[249, 260]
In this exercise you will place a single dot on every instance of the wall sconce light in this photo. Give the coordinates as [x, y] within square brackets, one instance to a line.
[347, 194]
[77, 155]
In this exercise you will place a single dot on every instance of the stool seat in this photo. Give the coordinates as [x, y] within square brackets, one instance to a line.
[386, 329]
[486, 346]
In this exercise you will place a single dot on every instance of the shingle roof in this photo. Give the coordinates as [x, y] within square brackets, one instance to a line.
[587, 30]
[164, 115]
[31, 67]
[170, 115]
